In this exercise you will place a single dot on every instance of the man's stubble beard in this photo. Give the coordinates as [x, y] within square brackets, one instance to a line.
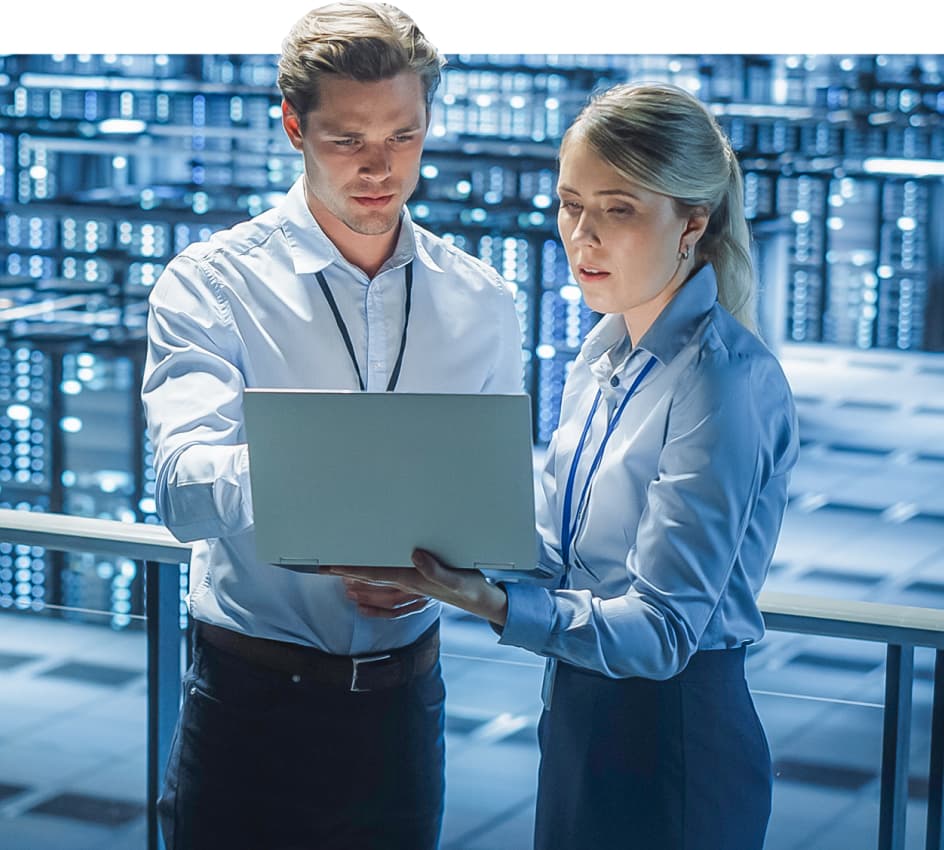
[371, 224]
[368, 223]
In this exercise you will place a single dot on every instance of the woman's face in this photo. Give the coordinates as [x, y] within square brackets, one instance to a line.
[622, 240]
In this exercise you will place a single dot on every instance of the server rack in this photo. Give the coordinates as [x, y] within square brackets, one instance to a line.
[110, 165]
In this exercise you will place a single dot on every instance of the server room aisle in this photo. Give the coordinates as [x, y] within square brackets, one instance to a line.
[866, 521]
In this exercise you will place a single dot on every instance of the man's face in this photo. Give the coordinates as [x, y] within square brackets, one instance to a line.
[362, 149]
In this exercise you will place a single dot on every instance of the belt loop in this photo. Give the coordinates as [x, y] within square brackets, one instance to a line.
[365, 659]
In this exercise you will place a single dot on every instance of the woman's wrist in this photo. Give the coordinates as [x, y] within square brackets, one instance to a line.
[494, 604]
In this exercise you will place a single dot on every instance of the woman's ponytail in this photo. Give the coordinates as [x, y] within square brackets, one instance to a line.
[727, 246]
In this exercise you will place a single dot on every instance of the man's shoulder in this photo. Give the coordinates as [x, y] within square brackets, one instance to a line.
[241, 238]
[452, 259]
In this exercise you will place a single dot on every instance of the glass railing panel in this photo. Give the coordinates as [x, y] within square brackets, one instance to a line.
[73, 730]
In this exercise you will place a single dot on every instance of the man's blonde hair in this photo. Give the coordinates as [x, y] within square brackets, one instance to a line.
[361, 41]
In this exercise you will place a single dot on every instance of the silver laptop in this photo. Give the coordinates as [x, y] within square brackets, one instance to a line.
[364, 478]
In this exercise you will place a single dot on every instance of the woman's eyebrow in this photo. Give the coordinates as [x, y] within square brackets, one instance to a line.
[563, 187]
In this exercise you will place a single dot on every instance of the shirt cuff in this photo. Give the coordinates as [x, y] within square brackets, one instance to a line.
[530, 616]
[207, 494]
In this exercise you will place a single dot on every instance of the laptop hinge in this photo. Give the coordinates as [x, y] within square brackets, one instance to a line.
[302, 565]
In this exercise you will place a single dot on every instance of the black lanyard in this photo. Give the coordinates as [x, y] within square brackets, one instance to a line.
[342, 327]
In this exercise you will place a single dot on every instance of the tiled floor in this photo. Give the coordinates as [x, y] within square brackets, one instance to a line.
[866, 521]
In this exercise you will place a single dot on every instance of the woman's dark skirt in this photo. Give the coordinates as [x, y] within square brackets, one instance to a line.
[681, 764]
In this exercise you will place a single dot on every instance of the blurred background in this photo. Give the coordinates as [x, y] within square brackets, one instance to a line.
[111, 164]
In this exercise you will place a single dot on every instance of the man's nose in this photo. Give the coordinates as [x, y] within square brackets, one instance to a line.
[375, 162]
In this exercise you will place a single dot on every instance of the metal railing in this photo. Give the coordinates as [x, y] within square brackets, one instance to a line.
[162, 556]
[900, 628]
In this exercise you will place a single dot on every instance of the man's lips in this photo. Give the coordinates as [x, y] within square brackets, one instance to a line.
[373, 200]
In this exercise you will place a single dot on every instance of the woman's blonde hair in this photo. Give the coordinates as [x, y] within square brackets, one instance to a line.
[665, 140]
[361, 41]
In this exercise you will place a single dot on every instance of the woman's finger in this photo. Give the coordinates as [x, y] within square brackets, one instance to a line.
[435, 571]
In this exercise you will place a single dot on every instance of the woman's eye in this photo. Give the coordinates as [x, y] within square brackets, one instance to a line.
[620, 210]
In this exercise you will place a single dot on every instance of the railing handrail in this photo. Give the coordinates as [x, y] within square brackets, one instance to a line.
[790, 612]
[139, 541]
[904, 625]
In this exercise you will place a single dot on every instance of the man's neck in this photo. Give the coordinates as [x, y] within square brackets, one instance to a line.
[366, 252]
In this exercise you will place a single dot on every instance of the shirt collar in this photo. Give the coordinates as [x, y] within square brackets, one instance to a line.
[313, 251]
[674, 326]
[409, 246]
[672, 329]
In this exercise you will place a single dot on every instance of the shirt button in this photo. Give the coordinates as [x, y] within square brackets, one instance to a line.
[614, 381]
[296, 678]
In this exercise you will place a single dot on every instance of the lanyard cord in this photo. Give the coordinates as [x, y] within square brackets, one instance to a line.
[568, 527]
[346, 336]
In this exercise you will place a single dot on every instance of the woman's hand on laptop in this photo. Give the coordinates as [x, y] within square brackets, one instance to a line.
[466, 589]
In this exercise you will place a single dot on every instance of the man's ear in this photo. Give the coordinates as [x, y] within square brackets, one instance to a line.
[292, 124]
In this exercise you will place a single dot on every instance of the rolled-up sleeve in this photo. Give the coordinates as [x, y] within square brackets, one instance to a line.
[192, 395]
[727, 436]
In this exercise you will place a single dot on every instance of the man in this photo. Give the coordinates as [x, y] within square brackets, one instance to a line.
[313, 711]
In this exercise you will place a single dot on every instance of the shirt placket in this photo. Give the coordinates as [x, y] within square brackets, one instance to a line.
[376, 338]
[595, 437]
[612, 395]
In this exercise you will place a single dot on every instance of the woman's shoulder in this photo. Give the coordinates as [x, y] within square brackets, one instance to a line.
[726, 349]
[729, 362]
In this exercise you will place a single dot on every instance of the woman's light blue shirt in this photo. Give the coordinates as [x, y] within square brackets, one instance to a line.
[684, 511]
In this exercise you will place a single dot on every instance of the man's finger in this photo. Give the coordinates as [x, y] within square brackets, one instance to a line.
[360, 584]
[394, 613]
[383, 599]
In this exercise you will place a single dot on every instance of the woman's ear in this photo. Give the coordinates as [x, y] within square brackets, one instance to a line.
[695, 227]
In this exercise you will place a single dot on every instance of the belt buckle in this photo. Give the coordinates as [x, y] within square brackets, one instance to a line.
[365, 659]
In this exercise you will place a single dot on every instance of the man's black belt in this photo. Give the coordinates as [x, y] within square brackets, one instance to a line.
[355, 673]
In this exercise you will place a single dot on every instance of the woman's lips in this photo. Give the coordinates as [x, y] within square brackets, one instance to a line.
[591, 273]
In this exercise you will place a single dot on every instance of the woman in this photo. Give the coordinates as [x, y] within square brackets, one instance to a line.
[664, 490]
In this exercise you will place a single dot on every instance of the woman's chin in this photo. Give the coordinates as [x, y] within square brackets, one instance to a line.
[599, 305]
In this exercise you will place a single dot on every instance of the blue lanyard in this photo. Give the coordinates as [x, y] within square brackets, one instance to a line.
[568, 528]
